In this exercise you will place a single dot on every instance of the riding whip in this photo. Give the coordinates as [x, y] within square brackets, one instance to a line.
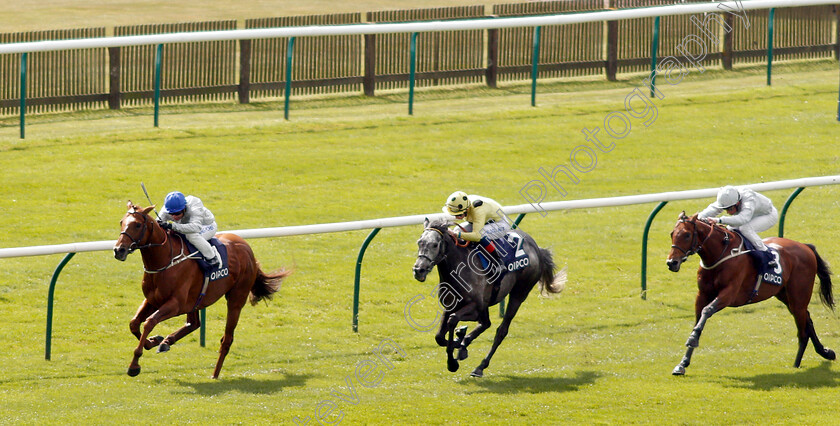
[149, 198]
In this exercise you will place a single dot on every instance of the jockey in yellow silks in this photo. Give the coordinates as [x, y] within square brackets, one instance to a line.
[485, 215]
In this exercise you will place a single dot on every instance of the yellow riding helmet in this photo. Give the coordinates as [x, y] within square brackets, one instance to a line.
[457, 203]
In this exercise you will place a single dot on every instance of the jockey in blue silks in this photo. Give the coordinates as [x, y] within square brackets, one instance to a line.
[188, 216]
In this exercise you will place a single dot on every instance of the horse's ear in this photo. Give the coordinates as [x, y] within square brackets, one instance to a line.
[426, 223]
[148, 209]
[682, 215]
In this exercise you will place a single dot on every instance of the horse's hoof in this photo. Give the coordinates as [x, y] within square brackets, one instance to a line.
[477, 373]
[164, 347]
[679, 371]
[452, 365]
[462, 354]
[152, 342]
[829, 354]
[133, 371]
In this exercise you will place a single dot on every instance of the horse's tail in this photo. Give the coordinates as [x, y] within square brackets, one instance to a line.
[826, 294]
[267, 284]
[550, 282]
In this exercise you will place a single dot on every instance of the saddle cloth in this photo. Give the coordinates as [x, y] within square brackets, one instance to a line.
[213, 273]
[511, 254]
[768, 274]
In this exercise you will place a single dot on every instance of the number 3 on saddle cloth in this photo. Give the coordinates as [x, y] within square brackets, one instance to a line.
[761, 260]
[210, 273]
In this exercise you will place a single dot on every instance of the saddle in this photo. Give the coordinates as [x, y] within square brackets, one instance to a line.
[761, 260]
[209, 272]
[511, 256]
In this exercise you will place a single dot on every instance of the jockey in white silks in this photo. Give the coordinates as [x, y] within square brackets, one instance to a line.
[188, 216]
[750, 213]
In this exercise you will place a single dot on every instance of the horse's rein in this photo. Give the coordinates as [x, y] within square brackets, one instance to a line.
[695, 248]
[454, 238]
[733, 253]
[173, 260]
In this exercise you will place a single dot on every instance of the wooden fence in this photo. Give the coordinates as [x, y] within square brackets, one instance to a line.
[249, 70]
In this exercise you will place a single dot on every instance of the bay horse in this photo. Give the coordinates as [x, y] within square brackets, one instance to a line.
[172, 284]
[727, 277]
[472, 297]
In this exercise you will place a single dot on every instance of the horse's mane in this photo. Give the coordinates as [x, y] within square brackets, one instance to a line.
[719, 226]
[440, 223]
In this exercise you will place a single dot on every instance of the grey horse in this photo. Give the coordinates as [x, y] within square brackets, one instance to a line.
[473, 289]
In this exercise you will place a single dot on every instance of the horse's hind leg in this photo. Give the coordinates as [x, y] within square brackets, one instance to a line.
[193, 322]
[483, 324]
[821, 350]
[804, 329]
[234, 309]
[513, 305]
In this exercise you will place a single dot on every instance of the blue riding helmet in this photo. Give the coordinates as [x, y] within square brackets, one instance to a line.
[175, 202]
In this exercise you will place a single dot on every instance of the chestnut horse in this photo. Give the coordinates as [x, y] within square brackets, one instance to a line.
[172, 284]
[727, 277]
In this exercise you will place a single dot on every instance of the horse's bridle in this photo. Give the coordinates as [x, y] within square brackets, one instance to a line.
[434, 262]
[697, 245]
[135, 243]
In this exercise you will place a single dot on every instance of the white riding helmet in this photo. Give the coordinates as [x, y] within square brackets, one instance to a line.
[727, 197]
[457, 203]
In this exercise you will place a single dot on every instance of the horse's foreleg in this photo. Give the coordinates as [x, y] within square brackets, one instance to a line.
[694, 337]
[501, 332]
[440, 336]
[193, 323]
[143, 312]
[451, 323]
[168, 310]
[483, 324]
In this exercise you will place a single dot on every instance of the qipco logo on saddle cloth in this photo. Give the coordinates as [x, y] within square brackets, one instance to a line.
[221, 273]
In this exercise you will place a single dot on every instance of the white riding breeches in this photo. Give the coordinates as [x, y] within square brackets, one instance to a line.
[495, 230]
[200, 240]
[759, 224]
